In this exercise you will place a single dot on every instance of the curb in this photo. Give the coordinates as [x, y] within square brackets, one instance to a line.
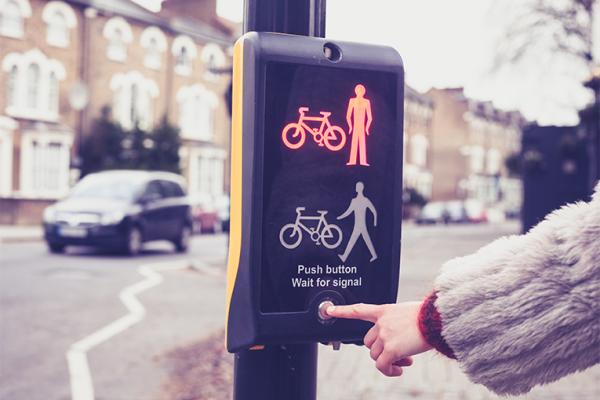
[21, 239]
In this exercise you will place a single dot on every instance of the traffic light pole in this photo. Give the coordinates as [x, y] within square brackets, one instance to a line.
[285, 371]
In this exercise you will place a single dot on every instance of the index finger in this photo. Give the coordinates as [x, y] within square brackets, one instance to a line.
[365, 312]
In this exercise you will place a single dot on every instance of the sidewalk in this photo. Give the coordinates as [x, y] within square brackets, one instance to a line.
[350, 374]
[18, 234]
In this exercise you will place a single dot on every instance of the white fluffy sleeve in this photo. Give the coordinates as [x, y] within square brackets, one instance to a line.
[524, 310]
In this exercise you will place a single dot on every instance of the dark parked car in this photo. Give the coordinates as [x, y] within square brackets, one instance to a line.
[121, 210]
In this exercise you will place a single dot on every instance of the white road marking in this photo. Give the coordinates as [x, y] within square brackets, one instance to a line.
[82, 387]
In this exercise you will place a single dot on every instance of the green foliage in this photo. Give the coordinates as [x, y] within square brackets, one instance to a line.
[164, 155]
[108, 146]
[101, 148]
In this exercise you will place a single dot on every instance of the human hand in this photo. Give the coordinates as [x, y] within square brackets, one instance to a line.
[394, 338]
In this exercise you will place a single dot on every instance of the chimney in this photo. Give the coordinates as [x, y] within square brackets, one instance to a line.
[203, 10]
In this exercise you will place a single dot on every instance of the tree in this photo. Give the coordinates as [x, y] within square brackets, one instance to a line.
[108, 146]
[551, 39]
[164, 154]
[101, 148]
[565, 26]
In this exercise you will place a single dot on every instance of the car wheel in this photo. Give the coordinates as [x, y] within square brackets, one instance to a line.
[56, 248]
[182, 243]
[133, 246]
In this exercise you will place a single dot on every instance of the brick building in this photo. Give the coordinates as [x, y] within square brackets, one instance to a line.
[418, 114]
[470, 143]
[143, 65]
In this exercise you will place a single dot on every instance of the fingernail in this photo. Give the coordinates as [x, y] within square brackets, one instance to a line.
[330, 309]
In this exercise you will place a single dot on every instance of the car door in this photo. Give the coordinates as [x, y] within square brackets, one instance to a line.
[153, 215]
[172, 206]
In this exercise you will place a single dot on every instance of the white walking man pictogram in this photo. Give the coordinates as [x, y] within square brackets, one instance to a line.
[359, 206]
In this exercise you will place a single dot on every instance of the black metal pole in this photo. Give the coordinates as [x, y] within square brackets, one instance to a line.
[284, 372]
[297, 17]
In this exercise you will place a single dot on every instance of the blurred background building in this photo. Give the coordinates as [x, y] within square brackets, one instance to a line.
[63, 62]
[418, 114]
[457, 148]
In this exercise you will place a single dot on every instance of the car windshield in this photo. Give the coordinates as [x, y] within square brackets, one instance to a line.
[107, 187]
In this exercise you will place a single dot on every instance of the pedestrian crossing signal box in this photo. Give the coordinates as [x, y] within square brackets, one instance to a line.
[316, 187]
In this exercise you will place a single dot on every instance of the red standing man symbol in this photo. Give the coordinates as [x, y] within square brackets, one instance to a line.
[359, 119]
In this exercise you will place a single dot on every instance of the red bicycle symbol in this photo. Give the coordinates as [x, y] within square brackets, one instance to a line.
[331, 136]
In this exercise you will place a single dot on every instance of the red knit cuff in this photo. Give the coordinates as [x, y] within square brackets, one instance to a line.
[430, 325]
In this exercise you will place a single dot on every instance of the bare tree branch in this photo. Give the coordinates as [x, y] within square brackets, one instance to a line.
[566, 25]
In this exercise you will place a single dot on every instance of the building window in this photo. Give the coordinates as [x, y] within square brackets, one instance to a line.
[58, 33]
[53, 93]
[118, 34]
[197, 107]
[12, 17]
[7, 127]
[153, 40]
[210, 175]
[477, 155]
[116, 50]
[32, 85]
[45, 164]
[60, 19]
[207, 172]
[153, 55]
[418, 150]
[11, 87]
[493, 161]
[184, 50]
[133, 100]
[214, 59]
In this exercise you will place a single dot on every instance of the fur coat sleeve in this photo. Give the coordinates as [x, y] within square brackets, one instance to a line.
[524, 310]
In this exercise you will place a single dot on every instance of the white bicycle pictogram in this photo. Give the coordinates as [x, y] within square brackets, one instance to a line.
[330, 235]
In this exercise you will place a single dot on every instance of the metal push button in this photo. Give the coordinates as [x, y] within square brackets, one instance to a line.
[322, 310]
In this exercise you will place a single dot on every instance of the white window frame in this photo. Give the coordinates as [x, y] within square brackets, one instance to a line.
[26, 173]
[48, 14]
[180, 42]
[493, 161]
[213, 52]
[111, 28]
[121, 85]
[210, 157]
[43, 111]
[186, 98]
[25, 9]
[150, 34]
[7, 128]
[418, 149]
[476, 159]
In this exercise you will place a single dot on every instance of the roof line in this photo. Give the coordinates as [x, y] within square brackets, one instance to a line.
[195, 28]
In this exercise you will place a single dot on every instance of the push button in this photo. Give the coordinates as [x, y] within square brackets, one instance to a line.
[322, 310]
[321, 302]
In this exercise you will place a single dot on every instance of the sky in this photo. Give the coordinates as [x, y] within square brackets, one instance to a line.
[451, 43]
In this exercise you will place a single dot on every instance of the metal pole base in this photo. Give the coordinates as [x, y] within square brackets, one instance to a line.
[286, 372]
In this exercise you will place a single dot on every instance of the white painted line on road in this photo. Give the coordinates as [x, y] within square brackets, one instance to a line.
[82, 387]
